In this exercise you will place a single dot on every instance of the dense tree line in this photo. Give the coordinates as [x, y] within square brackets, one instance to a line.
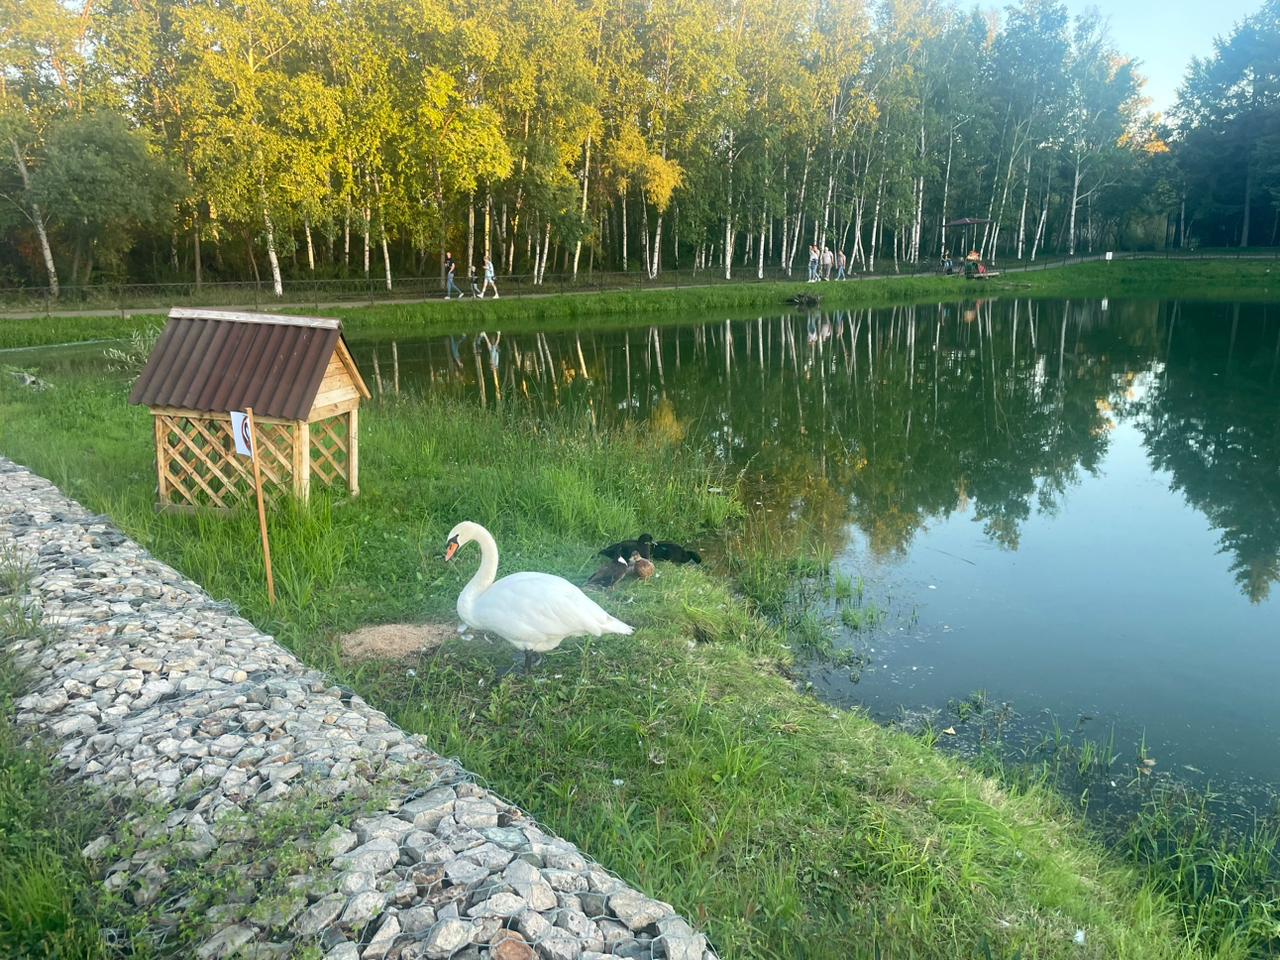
[199, 139]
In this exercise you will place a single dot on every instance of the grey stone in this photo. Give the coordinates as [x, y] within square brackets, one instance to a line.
[578, 925]
[320, 914]
[445, 938]
[593, 904]
[383, 939]
[335, 841]
[386, 826]
[499, 905]
[526, 880]
[492, 857]
[680, 940]
[362, 908]
[636, 910]
[225, 942]
[465, 873]
[558, 945]
[353, 881]
[416, 919]
[475, 813]
[508, 837]
[427, 811]
[565, 881]
[377, 856]
[343, 951]
[533, 925]
[422, 846]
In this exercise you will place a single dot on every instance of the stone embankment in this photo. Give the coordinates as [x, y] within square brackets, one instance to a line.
[274, 813]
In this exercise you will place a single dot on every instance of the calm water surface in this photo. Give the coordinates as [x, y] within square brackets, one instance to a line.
[1073, 506]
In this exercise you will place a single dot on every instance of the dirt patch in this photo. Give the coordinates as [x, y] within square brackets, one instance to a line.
[395, 641]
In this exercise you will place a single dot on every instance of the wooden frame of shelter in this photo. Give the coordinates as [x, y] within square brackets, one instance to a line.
[295, 372]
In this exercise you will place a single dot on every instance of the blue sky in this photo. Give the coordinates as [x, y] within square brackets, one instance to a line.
[1166, 34]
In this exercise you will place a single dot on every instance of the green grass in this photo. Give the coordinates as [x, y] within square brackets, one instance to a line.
[1193, 279]
[683, 756]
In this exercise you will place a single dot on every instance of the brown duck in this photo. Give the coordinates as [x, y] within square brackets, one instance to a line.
[609, 573]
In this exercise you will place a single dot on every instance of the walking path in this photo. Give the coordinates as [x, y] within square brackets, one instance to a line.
[150, 688]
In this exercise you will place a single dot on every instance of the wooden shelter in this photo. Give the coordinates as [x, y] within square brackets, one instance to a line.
[295, 372]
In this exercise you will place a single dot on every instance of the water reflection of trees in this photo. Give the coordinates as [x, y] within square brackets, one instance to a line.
[889, 419]
[1212, 420]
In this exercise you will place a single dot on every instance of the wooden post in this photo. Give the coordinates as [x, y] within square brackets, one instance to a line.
[262, 510]
[353, 451]
[162, 457]
[302, 460]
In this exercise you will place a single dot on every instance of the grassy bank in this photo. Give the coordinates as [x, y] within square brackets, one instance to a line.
[682, 757]
[1194, 279]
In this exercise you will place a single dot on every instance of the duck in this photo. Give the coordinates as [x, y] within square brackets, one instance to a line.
[641, 567]
[674, 553]
[533, 612]
[642, 545]
[609, 572]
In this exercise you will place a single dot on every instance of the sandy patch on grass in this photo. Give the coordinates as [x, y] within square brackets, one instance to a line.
[395, 641]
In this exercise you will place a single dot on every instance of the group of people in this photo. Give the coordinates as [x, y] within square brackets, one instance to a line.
[451, 285]
[822, 261]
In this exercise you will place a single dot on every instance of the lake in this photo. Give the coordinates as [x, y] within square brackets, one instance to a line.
[1071, 506]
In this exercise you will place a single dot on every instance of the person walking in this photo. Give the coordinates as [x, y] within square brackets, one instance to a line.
[474, 276]
[828, 258]
[841, 263]
[813, 263]
[451, 286]
[489, 280]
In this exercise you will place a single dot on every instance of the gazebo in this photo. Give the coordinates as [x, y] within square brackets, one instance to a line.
[295, 372]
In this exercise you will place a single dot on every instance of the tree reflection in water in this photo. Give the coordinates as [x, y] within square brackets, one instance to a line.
[886, 420]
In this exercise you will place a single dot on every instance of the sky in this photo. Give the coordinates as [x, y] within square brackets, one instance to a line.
[1166, 34]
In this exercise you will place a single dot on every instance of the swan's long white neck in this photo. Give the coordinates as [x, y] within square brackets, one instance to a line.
[488, 569]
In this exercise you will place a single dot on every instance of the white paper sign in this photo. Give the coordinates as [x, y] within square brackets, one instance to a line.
[240, 430]
[1108, 254]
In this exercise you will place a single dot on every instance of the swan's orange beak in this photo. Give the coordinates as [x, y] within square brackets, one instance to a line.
[450, 549]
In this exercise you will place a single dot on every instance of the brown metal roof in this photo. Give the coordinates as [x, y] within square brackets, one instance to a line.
[216, 361]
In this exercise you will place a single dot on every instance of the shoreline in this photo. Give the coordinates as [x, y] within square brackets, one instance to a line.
[1255, 280]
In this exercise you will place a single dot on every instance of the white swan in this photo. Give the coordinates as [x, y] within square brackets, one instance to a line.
[531, 611]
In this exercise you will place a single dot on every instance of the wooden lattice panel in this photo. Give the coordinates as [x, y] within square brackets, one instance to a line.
[199, 466]
[330, 449]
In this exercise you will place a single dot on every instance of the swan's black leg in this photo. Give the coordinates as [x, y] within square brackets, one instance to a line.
[528, 662]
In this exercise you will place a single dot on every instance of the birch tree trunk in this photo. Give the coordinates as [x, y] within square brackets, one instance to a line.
[657, 249]
[37, 221]
[1248, 203]
[799, 221]
[1022, 214]
[1044, 214]
[586, 174]
[311, 250]
[195, 238]
[764, 226]
[946, 190]
[875, 223]
[1075, 199]
[728, 218]
[277, 285]
[366, 239]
